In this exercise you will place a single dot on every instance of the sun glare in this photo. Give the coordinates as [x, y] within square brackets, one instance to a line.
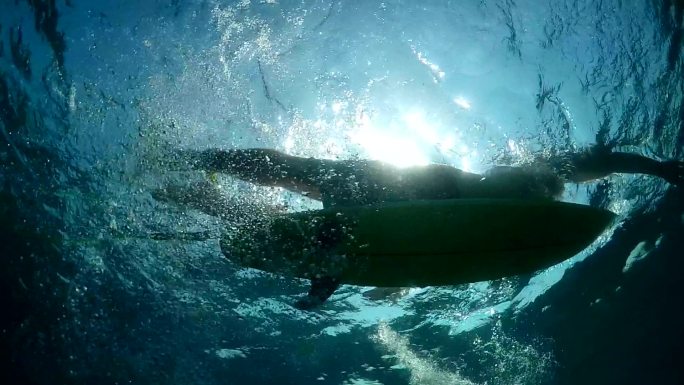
[412, 141]
[416, 121]
[409, 139]
[462, 102]
[386, 147]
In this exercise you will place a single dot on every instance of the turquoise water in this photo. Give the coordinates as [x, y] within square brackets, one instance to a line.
[93, 94]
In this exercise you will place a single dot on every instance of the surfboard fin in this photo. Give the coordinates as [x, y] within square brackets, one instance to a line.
[321, 289]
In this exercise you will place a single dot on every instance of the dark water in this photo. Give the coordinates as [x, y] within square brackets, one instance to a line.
[93, 93]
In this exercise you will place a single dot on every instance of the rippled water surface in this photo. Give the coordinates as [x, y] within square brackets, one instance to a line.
[102, 284]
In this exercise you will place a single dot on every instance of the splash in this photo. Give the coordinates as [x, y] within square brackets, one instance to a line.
[509, 361]
[423, 370]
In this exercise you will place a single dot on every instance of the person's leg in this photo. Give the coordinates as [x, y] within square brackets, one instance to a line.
[211, 200]
[264, 167]
[334, 182]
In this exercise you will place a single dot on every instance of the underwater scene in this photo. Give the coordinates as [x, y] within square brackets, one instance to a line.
[142, 143]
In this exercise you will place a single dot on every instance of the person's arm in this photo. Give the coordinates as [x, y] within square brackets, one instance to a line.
[600, 162]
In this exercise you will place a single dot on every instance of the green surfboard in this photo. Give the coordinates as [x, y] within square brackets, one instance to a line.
[419, 243]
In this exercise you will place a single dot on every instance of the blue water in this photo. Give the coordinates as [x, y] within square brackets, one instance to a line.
[92, 95]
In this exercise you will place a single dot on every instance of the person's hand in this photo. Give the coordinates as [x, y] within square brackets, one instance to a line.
[673, 172]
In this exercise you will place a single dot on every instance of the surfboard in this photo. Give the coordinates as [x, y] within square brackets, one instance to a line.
[418, 243]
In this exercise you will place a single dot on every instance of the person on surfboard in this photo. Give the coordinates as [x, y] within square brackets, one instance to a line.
[361, 182]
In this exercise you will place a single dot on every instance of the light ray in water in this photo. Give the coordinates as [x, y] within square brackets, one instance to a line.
[423, 371]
